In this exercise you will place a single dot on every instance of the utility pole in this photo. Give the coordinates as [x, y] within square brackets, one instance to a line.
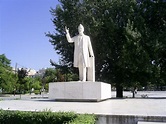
[15, 68]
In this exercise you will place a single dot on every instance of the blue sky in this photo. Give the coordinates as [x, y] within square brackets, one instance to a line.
[23, 24]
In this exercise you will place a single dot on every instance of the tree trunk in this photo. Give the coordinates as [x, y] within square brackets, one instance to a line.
[119, 91]
[133, 94]
[134, 91]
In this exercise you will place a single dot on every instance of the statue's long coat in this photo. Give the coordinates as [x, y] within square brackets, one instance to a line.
[82, 45]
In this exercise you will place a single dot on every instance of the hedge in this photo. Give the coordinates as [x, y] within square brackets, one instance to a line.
[22, 117]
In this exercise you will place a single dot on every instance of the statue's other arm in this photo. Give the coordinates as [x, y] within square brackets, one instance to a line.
[90, 49]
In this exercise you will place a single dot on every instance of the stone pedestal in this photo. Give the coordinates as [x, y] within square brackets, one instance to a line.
[79, 91]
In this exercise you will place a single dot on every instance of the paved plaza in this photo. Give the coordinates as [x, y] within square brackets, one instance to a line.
[154, 104]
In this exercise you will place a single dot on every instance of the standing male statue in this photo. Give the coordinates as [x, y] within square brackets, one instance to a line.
[83, 54]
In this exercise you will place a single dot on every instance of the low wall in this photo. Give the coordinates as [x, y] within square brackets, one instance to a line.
[128, 119]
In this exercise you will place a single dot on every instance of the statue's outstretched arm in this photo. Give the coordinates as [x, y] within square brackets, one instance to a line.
[69, 39]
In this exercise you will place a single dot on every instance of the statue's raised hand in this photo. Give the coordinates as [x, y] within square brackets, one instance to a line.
[67, 30]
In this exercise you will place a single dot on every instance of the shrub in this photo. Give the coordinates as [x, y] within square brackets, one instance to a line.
[37, 92]
[83, 119]
[19, 117]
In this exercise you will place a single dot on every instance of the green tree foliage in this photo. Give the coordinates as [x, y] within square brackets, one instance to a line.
[154, 15]
[50, 75]
[64, 73]
[21, 82]
[4, 62]
[128, 38]
[32, 83]
[7, 77]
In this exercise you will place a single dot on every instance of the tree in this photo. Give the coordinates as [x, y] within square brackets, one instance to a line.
[121, 36]
[104, 22]
[7, 76]
[49, 76]
[154, 15]
[5, 62]
[22, 73]
[136, 64]
[64, 73]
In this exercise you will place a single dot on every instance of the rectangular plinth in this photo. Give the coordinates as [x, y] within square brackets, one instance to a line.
[79, 91]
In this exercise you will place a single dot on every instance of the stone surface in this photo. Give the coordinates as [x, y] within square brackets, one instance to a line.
[114, 111]
[79, 91]
[151, 122]
[138, 106]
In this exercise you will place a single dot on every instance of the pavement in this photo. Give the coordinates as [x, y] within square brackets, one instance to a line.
[146, 103]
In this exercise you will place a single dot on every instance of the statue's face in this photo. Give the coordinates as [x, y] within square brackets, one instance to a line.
[80, 29]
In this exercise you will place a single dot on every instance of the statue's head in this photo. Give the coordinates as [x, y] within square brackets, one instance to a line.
[80, 29]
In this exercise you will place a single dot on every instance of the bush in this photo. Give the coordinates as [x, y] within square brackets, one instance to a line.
[19, 117]
[84, 119]
[37, 92]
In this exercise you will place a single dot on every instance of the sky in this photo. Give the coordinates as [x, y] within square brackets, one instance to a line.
[23, 24]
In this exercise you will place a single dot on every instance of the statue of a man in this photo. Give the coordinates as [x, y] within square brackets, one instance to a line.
[83, 53]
